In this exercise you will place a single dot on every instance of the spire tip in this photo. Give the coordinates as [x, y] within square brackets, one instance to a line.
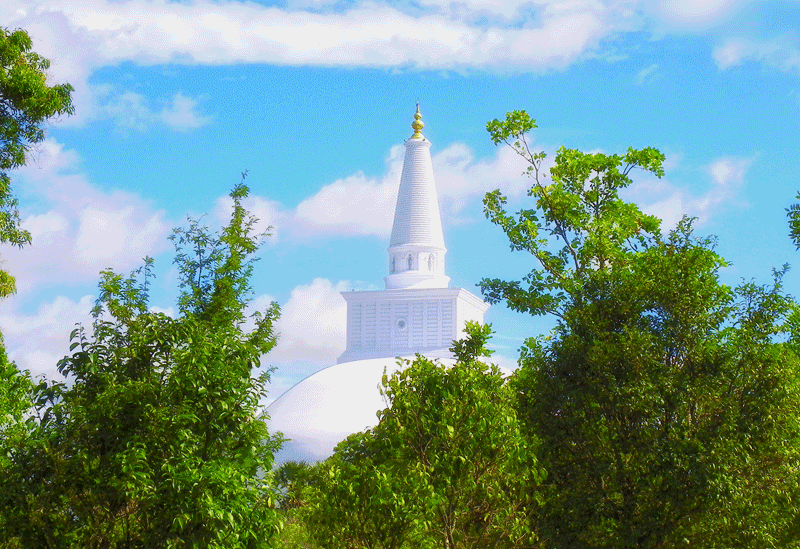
[417, 124]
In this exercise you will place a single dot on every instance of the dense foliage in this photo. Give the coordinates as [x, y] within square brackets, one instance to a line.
[26, 103]
[157, 440]
[665, 408]
[446, 466]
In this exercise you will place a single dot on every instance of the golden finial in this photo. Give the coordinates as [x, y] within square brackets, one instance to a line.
[417, 124]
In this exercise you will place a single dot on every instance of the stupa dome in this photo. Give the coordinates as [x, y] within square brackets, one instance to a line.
[328, 406]
[331, 404]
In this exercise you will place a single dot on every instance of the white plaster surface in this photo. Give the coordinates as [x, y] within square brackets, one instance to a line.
[416, 217]
[408, 321]
[328, 406]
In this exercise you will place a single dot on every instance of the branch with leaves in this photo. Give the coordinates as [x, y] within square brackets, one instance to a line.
[579, 226]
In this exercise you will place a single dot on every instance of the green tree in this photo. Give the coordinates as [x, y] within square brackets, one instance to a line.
[16, 401]
[294, 533]
[15, 391]
[26, 103]
[354, 500]
[157, 440]
[665, 413]
[446, 466]
[580, 211]
[291, 479]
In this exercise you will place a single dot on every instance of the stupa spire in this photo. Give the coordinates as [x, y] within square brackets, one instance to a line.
[416, 249]
[418, 312]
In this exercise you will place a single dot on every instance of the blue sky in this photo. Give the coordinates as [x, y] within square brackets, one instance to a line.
[314, 98]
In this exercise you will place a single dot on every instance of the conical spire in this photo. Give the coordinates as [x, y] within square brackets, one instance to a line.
[416, 249]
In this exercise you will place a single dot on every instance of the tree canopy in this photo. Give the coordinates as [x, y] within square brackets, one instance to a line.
[157, 439]
[579, 225]
[446, 466]
[665, 408]
[26, 103]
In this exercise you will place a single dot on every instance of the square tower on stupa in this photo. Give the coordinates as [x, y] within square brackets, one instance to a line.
[418, 312]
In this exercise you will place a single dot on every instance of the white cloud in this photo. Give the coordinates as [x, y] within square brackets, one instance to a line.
[515, 35]
[360, 206]
[37, 341]
[460, 178]
[47, 158]
[44, 227]
[112, 234]
[351, 206]
[780, 53]
[82, 229]
[169, 311]
[697, 12]
[311, 329]
[305, 4]
[313, 324]
[671, 203]
[669, 210]
[131, 110]
[82, 37]
[729, 172]
[506, 8]
[509, 363]
[76, 52]
[182, 114]
[731, 53]
[73, 53]
[372, 34]
[647, 74]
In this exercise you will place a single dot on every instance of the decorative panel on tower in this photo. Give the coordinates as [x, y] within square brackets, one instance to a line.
[354, 324]
[404, 322]
[416, 325]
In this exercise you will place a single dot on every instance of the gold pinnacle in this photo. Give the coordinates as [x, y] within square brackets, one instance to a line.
[417, 124]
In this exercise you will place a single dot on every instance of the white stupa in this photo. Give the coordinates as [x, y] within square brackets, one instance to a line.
[417, 313]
